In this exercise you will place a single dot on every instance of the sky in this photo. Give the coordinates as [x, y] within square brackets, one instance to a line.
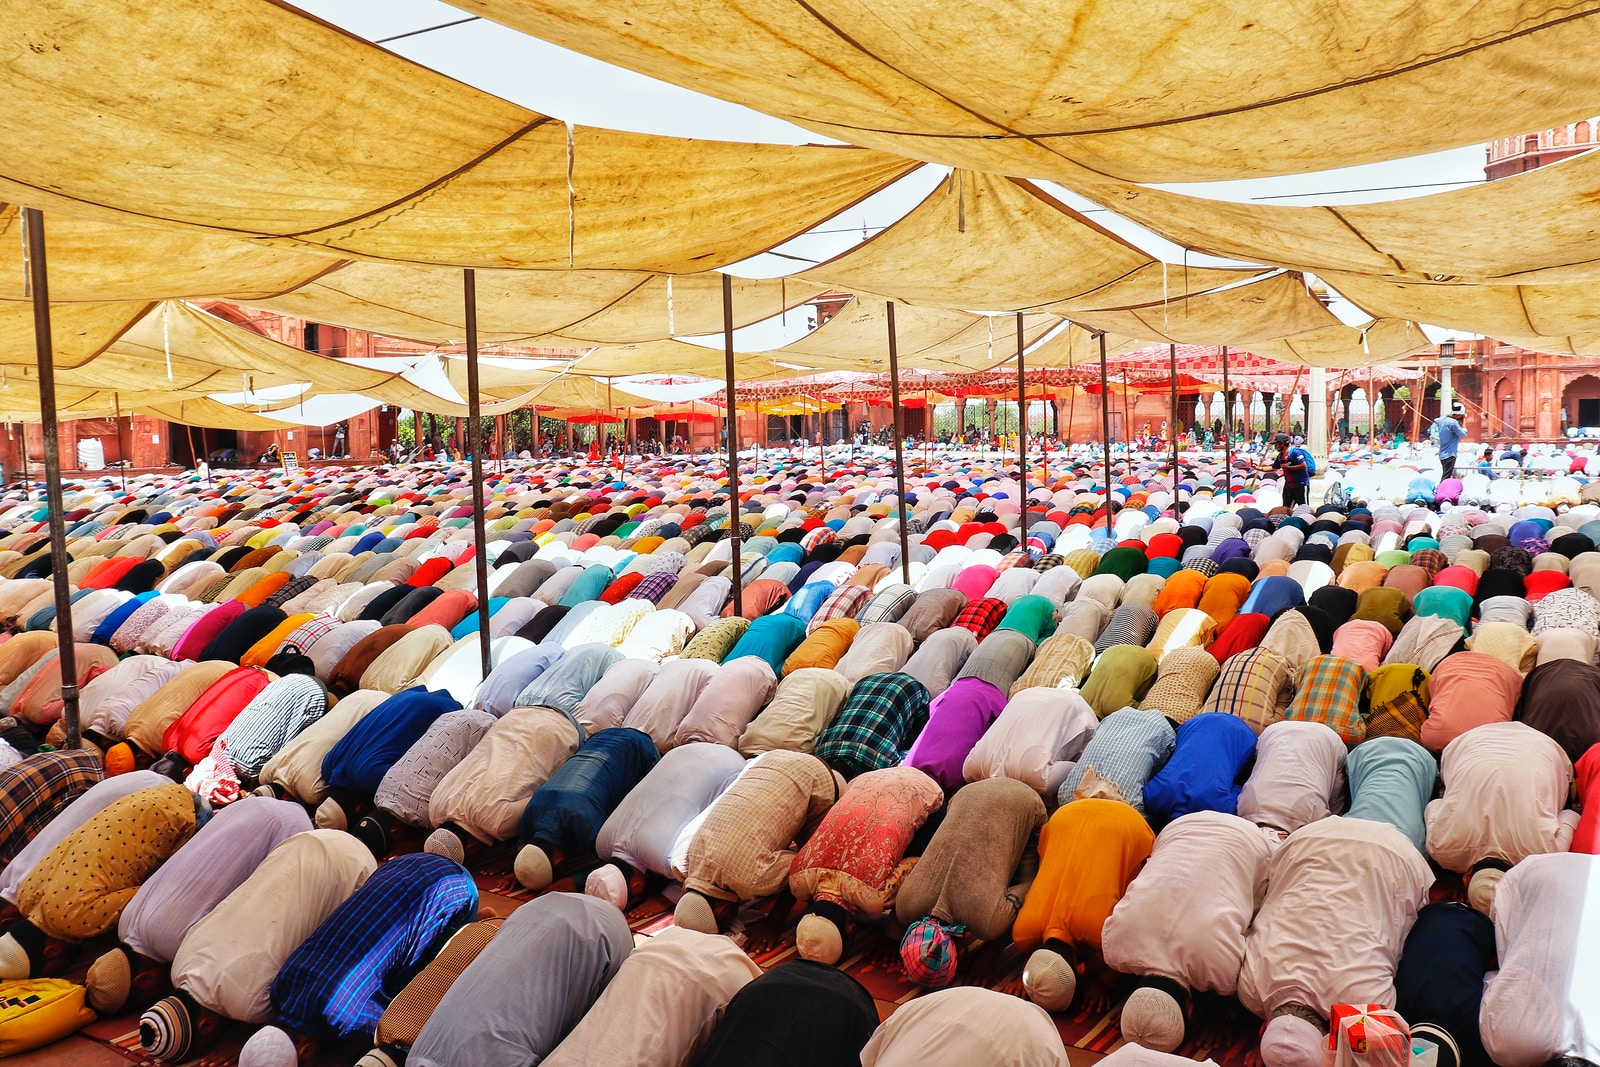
[589, 92]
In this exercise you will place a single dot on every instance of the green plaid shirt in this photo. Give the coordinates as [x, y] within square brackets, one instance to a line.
[880, 718]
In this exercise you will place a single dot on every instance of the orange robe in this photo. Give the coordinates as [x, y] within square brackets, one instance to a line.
[1088, 853]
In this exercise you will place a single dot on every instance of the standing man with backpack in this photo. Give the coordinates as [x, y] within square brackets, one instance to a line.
[1450, 435]
[1297, 467]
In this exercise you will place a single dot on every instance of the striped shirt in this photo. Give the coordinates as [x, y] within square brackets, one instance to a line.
[888, 604]
[1130, 624]
[273, 717]
[880, 718]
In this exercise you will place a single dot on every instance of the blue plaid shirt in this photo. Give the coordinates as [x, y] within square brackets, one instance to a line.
[339, 981]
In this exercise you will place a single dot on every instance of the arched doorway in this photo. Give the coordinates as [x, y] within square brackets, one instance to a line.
[1503, 403]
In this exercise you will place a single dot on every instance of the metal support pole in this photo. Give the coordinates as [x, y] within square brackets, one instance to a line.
[469, 286]
[122, 449]
[899, 454]
[1172, 381]
[39, 278]
[1105, 420]
[1022, 432]
[731, 384]
[1227, 428]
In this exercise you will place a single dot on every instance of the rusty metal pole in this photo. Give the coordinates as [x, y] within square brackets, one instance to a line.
[732, 423]
[469, 285]
[1227, 427]
[1022, 432]
[1172, 379]
[899, 446]
[44, 351]
[1105, 420]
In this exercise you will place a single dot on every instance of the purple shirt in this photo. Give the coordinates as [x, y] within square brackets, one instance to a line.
[957, 720]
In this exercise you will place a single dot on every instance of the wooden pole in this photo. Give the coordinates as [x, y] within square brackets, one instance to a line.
[1105, 420]
[1227, 428]
[899, 451]
[44, 352]
[469, 286]
[1172, 381]
[730, 376]
[1022, 432]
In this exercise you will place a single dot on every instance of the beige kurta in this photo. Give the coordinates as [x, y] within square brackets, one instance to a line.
[486, 793]
[1216, 865]
[1505, 797]
[966, 1025]
[662, 1005]
[745, 844]
[227, 960]
[297, 767]
[1366, 881]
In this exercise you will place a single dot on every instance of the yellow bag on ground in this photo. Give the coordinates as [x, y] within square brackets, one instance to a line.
[37, 1011]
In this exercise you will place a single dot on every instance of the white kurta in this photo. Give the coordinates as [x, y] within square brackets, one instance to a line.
[1544, 1001]
[1299, 770]
[1036, 740]
[1505, 794]
[1185, 915]
[1341, 897]
[228, 960]
[966, 1025]
[645, 827]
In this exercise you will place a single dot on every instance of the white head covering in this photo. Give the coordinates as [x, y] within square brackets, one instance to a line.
[1290, 1041]
[269, 1047]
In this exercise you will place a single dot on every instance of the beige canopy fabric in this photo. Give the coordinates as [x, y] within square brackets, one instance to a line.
[101, 357]
[1496, 310]
[95, 260]
[697, 361]
[564, 308]
[1535, 227]
[79, 332]
[317, 139]
[1166, 92]
[22, 405]
[1074, 345]
[857, 338]
[1152, 283]
[1379, 341]
[988, 243]
[1265, 310]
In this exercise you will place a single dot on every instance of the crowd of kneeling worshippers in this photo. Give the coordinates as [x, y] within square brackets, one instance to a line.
[1229, 753]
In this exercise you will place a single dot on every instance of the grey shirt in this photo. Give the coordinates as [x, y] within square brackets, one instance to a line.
[529, 987]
